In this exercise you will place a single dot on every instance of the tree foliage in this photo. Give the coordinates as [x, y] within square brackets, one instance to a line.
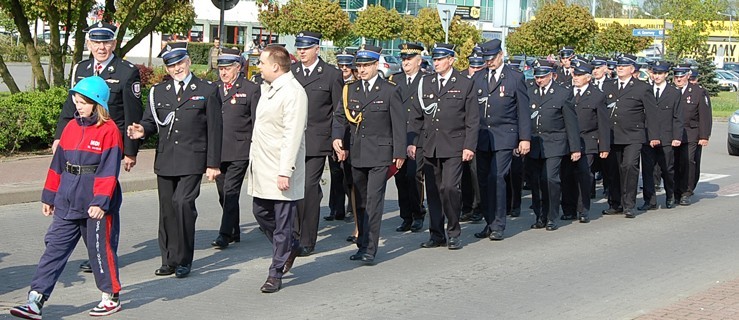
[691, 20]
[557, 24]
[145, 16]
[378, 23]
[425, 28]
[707, 72]
[617, 38]
[324, 16]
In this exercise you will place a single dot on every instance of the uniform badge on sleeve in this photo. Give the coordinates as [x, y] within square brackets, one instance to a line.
[136, 88]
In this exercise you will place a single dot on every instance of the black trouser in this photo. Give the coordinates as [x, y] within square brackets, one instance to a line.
[177, 215]
[577, 182]
[444, 176]
[337, 195]
[229, 184]
[492, 168]
[660, 157]
[626, 162]
[309, 208]
[369, 184]
[470, 187]
[514, 183]
[545, 187]
[409, 197]
[686, 169]
[276, 218]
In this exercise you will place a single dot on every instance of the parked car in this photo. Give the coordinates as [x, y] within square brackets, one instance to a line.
[727, 81]
[731, 66]
[427, 64]
[389, 65]
[733, 140]
[46, 36]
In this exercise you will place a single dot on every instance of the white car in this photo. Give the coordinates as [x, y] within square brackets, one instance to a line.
[727, 81]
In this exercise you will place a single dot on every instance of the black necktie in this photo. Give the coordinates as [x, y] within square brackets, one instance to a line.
[577, 96]
[307, 72]
[441, 83]
[366, 88]
[409, 81]
[492, 82]
[656, 94]
[179, 92]
[542, 90]
[622, 86]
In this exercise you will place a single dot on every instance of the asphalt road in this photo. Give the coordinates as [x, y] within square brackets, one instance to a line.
[612, 268]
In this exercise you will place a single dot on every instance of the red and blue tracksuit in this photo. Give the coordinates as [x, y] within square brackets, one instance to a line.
[72, 193]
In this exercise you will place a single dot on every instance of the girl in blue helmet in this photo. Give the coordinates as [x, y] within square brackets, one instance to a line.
[83, 197]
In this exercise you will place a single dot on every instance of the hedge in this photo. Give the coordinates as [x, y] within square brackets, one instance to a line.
[28, 119]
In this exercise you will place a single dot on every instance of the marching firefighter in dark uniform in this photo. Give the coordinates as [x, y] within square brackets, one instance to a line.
[125, 91]
[186, 112]
[555, 138]
[470, 185]
[239, 97]
[697, 122]
[322, 83]
[564, 71]
[626, 99]
[505, 131]
[409, 179]
[665, 133]
[449, 115]
[595, 138]
[372, 110]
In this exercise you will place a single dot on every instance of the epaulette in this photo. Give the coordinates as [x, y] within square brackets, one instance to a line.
[392, 82]
[350, 82]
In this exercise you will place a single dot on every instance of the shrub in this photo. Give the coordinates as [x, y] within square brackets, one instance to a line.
[146, 74]
[28, 119]
[198, 51]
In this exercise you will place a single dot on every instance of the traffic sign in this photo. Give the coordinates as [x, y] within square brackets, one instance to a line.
[446, 13]
[647, 32]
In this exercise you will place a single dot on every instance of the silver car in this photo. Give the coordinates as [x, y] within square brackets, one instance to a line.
[727, 80]
[389, 65]
[733, 139]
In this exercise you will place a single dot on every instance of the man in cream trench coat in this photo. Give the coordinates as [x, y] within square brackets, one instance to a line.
[276, 174]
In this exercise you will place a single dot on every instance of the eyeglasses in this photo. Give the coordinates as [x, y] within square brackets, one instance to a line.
[106, 44]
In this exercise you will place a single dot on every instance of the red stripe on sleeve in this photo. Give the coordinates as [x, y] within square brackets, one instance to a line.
[104, 186]
[52, 181]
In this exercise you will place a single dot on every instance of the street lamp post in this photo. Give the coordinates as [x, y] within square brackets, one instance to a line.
[664, 28]
[731, 30]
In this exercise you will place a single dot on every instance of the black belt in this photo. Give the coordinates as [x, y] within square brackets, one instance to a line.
[78, 169]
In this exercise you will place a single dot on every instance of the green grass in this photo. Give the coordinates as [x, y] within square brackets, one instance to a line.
[725, 104]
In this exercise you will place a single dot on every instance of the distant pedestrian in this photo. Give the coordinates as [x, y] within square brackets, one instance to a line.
[83, 196]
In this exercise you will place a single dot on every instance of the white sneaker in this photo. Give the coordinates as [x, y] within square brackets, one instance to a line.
[32, 309]
[109, 304]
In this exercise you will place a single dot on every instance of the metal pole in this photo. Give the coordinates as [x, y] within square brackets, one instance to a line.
[731, 30]
[446, 33]
[664, 33]
[221, 28]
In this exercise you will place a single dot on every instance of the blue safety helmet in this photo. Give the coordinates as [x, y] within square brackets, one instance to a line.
[95, 89]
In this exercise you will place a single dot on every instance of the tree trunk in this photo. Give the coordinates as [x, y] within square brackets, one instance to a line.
[146, 30]
[7, 77]
[21, 22]
[55, 49]
[124, 25]
[79, 35]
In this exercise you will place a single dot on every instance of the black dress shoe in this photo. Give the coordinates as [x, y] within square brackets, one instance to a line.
[357, 256]
[670, 204]
[405, 226]
[236, 238]
[290, 260]
[417, 225]
[496, 235]
[85, 266]
[685, 201]
[612, 211]
[305, 251]
[476, 217]
[367, 258]
[515, 213]
[647, 206]
[352, 239]
[465, 217]
[164, 270]
[329, 217]
[569, 217]
[551, 226]
[584, 219]
[433, 244]
[629, 214]
[538, 225]
[483, 234]
[454, 243]
[272, 285]
[182, 271]
[220, 243]
[349, 218]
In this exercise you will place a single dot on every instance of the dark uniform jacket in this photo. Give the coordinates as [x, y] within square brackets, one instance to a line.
[564, 80]
[592, 117]
[323, 88]
[665, 117]
[553, 122]
[503, 110]
[627, 110]
[454, 124]
[409, 100]
[381, 135]
[124, 103]
[192, 140]
[238, 110]
[696, 114]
